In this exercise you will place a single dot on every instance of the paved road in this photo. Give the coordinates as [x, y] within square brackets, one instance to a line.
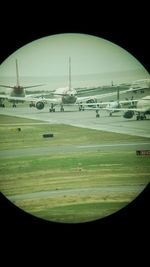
[52, 149]
[85, 119]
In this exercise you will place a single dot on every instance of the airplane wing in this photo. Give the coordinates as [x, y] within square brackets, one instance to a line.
[121, 109]
[25, 87]
[102, 104]
[127, 109]
[79, 99]
[101, 95]
[31, 86]
[6, 86]
[31, 99]
[8, 97]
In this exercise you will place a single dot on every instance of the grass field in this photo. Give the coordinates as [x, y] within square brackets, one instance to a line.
[69, 187]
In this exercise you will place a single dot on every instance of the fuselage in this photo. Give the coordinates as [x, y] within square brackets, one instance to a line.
[66, 95]
[142, 108]
[144, 103]
[17, 91]
[111, 107]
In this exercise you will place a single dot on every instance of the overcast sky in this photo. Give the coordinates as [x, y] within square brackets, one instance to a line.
[49, 56]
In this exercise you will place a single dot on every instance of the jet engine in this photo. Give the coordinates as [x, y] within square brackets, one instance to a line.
[128, 114]
[91, 102]
[39, 105]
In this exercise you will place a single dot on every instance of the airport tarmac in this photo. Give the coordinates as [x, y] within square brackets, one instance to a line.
[84, 119]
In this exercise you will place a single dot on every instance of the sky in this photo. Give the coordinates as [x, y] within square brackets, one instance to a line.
[49, 56]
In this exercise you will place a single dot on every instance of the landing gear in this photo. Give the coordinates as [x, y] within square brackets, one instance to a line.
[141, 117]
[81, 107]
[52, 109]
[61, 108]
[31, 105]
[97, 113]
[2, 105]
[14, 104]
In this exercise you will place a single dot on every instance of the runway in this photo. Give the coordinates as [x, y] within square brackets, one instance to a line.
[84, 119]
[54, 149]
[84, 191]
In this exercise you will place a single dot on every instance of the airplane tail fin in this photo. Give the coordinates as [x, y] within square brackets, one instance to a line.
[17, 75]
[70, 73]
[118, 98]
[118, 95]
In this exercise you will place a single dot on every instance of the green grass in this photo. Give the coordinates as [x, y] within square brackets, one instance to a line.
[86, 212]
[69, 171]
[4, 119]
[27, 175]
[31, 135]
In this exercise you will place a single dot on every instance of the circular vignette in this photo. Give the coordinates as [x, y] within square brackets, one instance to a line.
[59, 163]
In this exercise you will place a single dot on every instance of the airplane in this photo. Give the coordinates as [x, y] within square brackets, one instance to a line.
[68, 96]
[17, 91]
[63, 96]
[113, 106]
[140, 108]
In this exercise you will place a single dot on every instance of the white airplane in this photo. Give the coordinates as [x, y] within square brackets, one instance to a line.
[65, 97]
[140, 107]
[115, 105]
[68, 97]
[17, 91]
[141, 110]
